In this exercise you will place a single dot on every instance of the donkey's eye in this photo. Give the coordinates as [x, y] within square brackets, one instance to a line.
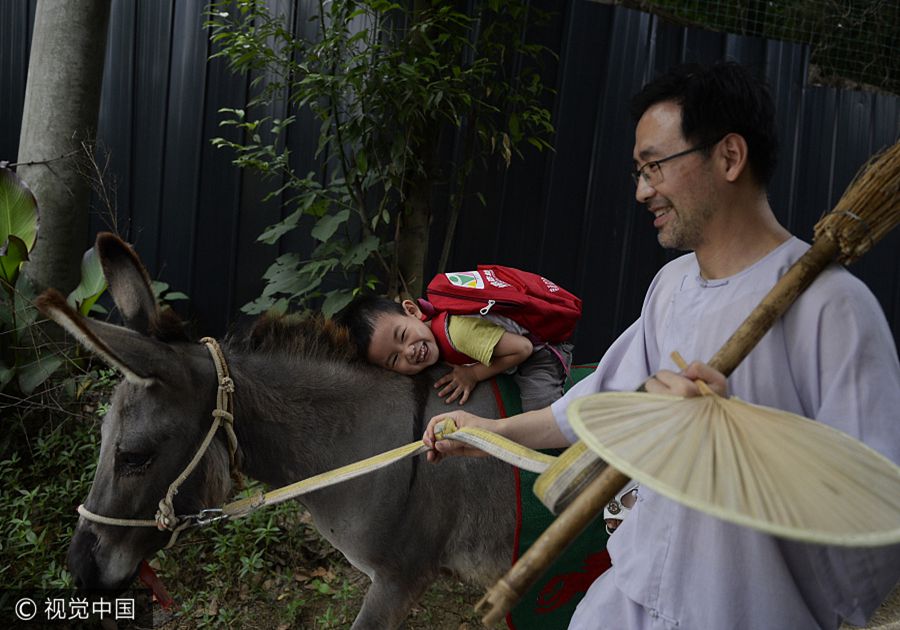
[132, 463]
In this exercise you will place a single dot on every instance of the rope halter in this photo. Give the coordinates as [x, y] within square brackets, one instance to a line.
[223, 416]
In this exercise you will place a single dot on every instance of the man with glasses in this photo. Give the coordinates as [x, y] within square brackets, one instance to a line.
[705, 149]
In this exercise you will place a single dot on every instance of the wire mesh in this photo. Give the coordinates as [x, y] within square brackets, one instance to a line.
[853, 43]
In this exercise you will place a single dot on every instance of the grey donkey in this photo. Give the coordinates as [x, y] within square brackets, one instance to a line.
[302, 406]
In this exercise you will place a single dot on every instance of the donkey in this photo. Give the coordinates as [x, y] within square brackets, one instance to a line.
[301, 407]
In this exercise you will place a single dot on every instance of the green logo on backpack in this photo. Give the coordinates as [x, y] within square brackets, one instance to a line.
[467, 279]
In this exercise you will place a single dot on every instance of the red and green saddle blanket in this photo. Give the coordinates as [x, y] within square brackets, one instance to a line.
[552, 600]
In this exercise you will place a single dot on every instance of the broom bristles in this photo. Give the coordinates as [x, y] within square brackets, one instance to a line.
[868, 209]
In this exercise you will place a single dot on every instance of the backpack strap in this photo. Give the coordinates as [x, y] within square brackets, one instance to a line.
[449, 354]
[538, 344]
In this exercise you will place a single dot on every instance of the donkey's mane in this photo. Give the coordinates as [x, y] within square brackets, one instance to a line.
[168, 326]
[307, 336]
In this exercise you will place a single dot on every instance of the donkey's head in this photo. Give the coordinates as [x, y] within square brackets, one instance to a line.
[158, 417]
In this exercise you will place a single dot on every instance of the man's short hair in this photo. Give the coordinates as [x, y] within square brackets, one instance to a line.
[716, 100]
[361, 315]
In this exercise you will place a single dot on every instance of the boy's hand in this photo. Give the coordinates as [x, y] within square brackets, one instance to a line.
[458, 383]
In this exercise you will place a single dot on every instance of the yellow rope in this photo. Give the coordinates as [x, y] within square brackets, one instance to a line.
[500, 447]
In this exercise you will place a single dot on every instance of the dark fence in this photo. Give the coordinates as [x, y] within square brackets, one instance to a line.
[568, 214]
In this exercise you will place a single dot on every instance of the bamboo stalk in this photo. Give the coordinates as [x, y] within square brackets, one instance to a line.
[868, 209]
[563, 530]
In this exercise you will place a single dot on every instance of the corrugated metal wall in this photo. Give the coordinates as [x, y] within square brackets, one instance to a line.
[569, 214]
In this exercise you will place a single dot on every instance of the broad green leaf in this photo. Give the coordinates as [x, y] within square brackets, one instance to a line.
[328, 225]
[280, 307]
[31, 375]
[359, 253]
[12, 255]
[282, 275]
[329, 249]
[277, 230]
[176, 295]
[335, 301]
[318, 267]
[258, 306]
[92, 286]
[158, 287]
[18, 209]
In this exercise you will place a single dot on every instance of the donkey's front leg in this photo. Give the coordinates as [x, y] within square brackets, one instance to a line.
[390, 598]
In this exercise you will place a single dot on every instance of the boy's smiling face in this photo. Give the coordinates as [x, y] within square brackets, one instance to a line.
[403, 343]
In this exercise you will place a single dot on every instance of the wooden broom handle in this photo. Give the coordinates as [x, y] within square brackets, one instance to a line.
[509, 589]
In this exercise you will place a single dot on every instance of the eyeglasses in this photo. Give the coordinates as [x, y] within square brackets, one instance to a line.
[652, 173]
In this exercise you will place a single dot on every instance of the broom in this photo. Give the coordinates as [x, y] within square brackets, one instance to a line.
[867, 211]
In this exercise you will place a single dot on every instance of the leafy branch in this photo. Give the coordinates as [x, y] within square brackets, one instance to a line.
[388, 83]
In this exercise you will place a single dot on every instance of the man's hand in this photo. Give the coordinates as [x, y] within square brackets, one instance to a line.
[458, 383]
[534, 429]
[445, 448]
[668, 382]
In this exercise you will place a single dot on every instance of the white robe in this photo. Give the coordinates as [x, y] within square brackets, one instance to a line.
[832, 358]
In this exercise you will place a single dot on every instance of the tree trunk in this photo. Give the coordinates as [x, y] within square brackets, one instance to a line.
[413, 246]
[62, 100]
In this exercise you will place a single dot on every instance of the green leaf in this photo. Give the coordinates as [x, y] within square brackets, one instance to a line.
[318, 208]
[23, 304]
[328, 225]
[12, 255]
[359, 253]
[158, 287]
[280, 307]
[335, 301]
[176, 295]
[514, 129]
[281, 276]
[6, 374]
[362, 163]
[92, 286]
[277, 230]
[258, 306]
[18, 209]
[33, 374]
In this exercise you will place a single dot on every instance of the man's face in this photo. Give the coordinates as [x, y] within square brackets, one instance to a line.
[402, 343]
[681, 202]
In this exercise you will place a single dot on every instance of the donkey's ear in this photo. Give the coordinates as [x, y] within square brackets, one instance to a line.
[128, 351]
[129, 283]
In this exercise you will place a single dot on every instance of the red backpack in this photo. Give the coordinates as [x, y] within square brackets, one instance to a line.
[547, 311]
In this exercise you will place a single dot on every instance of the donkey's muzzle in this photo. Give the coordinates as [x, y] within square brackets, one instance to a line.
[81, 561]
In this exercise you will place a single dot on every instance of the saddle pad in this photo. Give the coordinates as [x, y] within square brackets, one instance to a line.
[552, 600]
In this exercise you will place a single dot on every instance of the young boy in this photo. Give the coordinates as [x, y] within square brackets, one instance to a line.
[397, 337]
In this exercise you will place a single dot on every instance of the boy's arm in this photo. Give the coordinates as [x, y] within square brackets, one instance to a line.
[510, 351]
